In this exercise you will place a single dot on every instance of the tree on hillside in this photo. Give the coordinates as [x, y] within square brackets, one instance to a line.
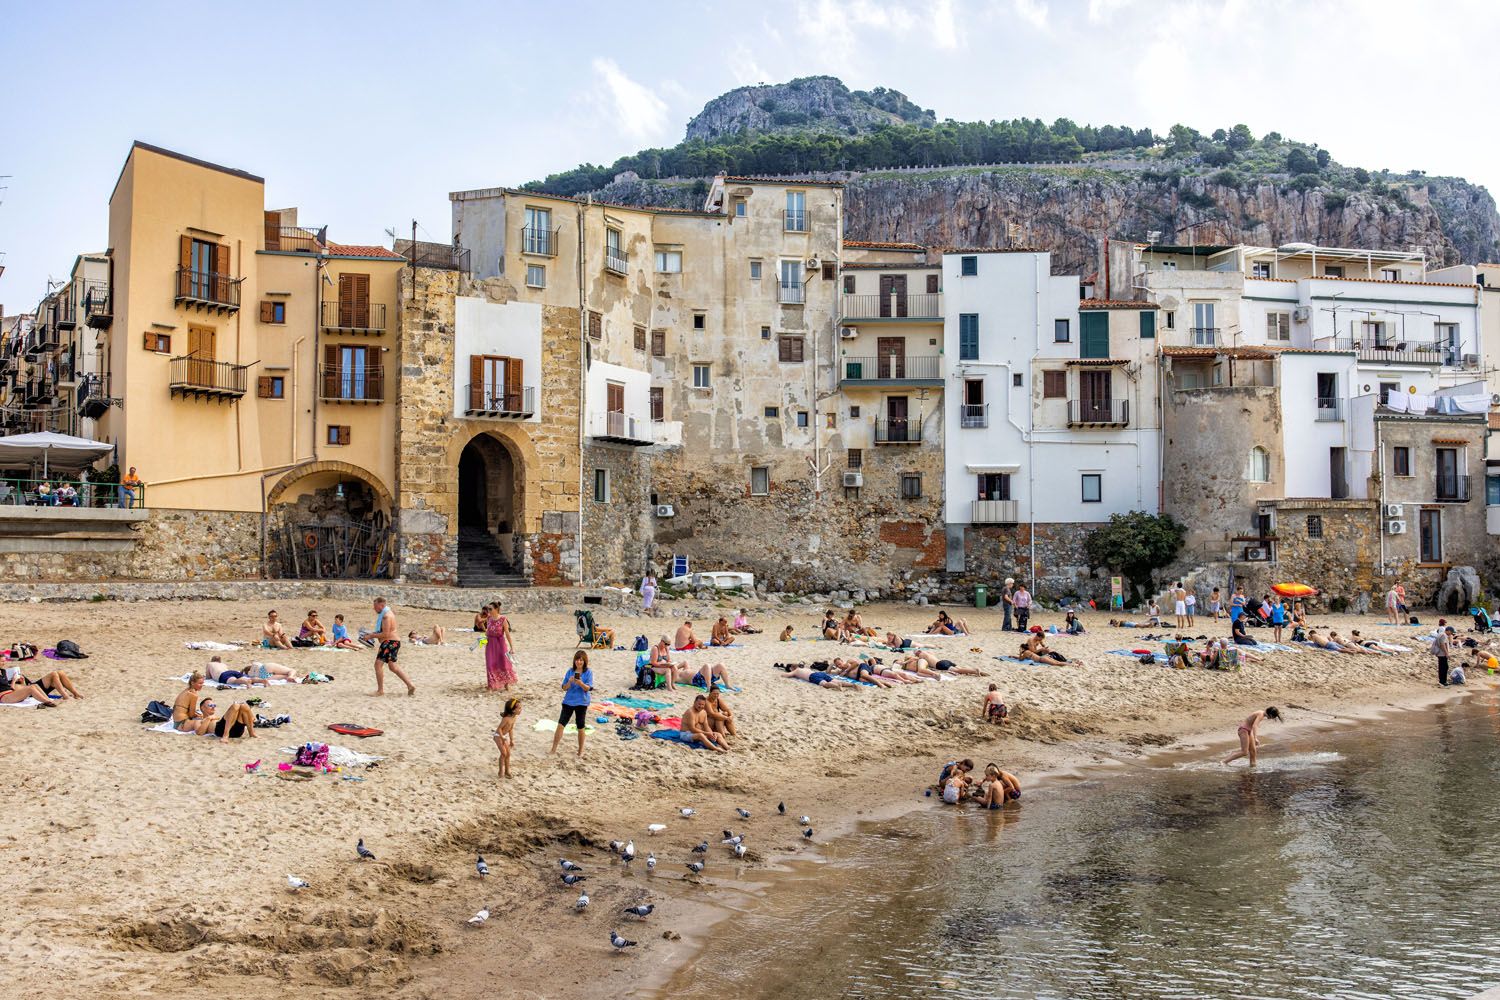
[1298, 162]
[1136, 544]
[1241, 138]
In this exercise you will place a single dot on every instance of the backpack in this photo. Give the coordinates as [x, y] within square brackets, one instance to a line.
[157, 711]
[641, 644]
[1298, 635]
[67, 649]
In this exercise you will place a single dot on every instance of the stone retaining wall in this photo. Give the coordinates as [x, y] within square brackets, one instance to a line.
[168, 545]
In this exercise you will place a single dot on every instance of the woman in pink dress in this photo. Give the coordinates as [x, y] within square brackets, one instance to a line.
[499, 672]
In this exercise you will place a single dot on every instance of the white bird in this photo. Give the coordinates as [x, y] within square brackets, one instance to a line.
[656, 828]
[696, 867]
[619, 942]
[365, 854]
[744, 813]
[568, 866]
[294, 883]
[804, 821]
[686, 812]
[615, 846]
[479, 918]
[650, 862]
[643, 911]
[739, 850]
[629, 853]
[583, 901]
[734, 841]
[480, 867]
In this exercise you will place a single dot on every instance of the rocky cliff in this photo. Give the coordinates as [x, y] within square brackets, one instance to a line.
[811, 103]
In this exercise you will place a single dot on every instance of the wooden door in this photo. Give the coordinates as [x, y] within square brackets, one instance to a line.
[354, 301]
[201, 351]
[892, 286]
[891, 353]
[895, 418]
[514, 391]
[1094, 396]
[616, 393]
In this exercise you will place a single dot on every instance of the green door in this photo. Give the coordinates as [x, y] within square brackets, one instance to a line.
[1093, 341]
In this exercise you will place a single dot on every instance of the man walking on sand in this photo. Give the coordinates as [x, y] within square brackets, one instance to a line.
[388, 646]
[1179, 604]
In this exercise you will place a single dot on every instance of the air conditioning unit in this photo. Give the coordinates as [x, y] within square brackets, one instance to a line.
[1471, 361]
[813, 263]
[853, 480]
[1395, 527]
[1256, 555]
[1393, 510]
[665, 510]
[849, 332]
[1302, 314]
[1495, 399]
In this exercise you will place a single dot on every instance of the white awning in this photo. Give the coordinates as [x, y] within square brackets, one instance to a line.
[58, 451]
[994, 467]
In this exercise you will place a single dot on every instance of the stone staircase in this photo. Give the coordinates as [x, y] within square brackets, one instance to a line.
[1201, 581]
[482, 563]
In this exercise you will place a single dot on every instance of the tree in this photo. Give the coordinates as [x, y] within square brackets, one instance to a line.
[1218, 156]
[1182, 140]
[1136, 544]
[1323, 158]
[1298, 162]
[1241, 138]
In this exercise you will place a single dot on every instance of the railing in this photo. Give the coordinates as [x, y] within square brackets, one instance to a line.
[1389, 349]
[93, 396]
[1204, 336]
[891, 368]
[299, 239]
[794, 222]
[623, 427]
[352, 385]
[354, 317]
[974, 415]
[68, 492]
[894, 305]
[793, 294]
[617, 261]
[65, 367]
[492, 401]
[441, 256]
[1451, 489]
[1330, 410]
[97, 308]
[994, 511]
[900, 430]
[207, 288]
[66, 316]
[201, 377]
[1098, 412]
[38, 389]
[542, 242]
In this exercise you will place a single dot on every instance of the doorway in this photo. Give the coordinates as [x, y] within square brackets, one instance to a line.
[892, 285]
[896, 427]
[488, 485]
[892, 357]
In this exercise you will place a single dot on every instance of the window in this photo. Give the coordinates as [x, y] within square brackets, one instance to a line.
[1260, 269]
[1401, 460]
[1093, 487]
[700, 321]
[270, 387]
[1315, 526]
[1017, 381]
[596, 324]
[338, 434]
[1259, 468]
[853, 413]
[614, 255]
[670, 262]
[1390, 274]
[658, 343]
[857, 458]
[1278, 327]
[601, 485]
[1388, 389]
[968, 336]
[1430, 532]
[1333, 270]
[791, 281]
[536, 276]
[273, 312]
[932, 284]
[765, 333]
[773, 413]
[1171, 320]
[537, 236]
[796, 211]
[658, 405]
[994, 486]
[1054, 385]
[911, 486]
[701, 377]
[755, 267]
[161, 343]
[968, 266]
[1169, 265]
[830, 270]
[1373, 333]
[1449, 343]
[640, 338]
[760, 481]
[849, 284]
[801, 418]
[1205, 332]
[1492, 491]
[1148, 324]
[496, 383]
[739, 207]
[789, 349]
[1060, 333]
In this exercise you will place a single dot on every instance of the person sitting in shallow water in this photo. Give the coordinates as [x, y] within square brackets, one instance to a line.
[997, 787]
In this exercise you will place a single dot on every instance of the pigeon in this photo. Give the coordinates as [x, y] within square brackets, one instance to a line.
[807, 834]
[573, 879]
[701, 848]
[650, 862]
[294, 883]
[656, 828]
[568, 866]
[696, 867]
[781, 808]
[615, 846]
[629, 852]
[744, 813]
[733, 841]
[480, 867]
[686, 812]
[804, 821]
[643, 911]
[479, 918]
[620, 943]
[739, 850]
[365, 854]
[728, 834]
[583, 902]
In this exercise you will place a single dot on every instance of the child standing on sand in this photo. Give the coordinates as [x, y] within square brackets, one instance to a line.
[505, 733]
[1215, 603]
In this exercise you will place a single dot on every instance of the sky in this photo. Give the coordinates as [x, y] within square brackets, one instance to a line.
[365, 115]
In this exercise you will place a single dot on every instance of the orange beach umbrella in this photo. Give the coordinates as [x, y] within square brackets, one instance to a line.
[1294, 589]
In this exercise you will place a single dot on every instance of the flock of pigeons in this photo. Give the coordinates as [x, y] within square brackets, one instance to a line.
[572, 873]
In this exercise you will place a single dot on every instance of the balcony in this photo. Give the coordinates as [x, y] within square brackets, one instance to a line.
[39, 391]
[497, 404]
[1204, 336]
[793, 295]
[43, 339]
[338, 384]
[1388, 350]
[1329, 410]
[1451, 489]
[98, 310]
[794, 222]
[974, 415]
[354, 317]
[621, 428]
[891, 369]
[196, 378]
[994, 511]
[207, 290]
[616, 261]
[66, 315]
[540, 242]
[93, 396]
[898, 430]
[1098, 412]
[894, 306]
[296, 239]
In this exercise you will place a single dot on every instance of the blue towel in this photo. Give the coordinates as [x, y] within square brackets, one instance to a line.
[627, 702]
[1158, 657]
[718, 684]
[673, 736]
[1024, 663]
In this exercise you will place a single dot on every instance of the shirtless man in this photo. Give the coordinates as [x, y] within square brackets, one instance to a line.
[273, 635]
[922, 663]
[221, 673]
[859, 670]
[1179, 605]
[685, 639]
[388, 647]
[186, 718]
[819, 677]
[709, 674]
[720, 635]
[696, 723]
[1316, 638]
[855, 625]
[1351, 647]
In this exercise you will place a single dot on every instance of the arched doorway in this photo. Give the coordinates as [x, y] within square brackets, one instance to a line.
[329, 520]
[487, 526]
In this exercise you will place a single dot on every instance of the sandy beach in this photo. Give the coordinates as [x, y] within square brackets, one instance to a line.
[152, 864]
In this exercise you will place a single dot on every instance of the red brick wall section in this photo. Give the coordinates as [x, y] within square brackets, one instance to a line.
[931, 545]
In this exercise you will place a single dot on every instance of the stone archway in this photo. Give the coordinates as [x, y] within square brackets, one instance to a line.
[301, 472]
[330, 520]
[491, 512]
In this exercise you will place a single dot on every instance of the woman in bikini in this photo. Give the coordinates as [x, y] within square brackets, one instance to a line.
[1249, 733]
[313, 630]
[15, 689]
[859, 670]
[1027, 653]
[186, 715]
[720, 715]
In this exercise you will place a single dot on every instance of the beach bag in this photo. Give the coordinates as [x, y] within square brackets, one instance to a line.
[1413, 621]
[641, 644]
[68, 650]
[312, 755]
[22, 651]
[303, 643]
[157, 711]
[1298, 634]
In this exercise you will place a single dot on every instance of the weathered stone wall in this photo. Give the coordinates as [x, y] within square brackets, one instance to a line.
[994, 552]
[618, 534]
[171, 545]
[1343, 563]
[1209, 434]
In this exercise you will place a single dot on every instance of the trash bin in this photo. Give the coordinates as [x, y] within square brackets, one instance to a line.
[981, 596]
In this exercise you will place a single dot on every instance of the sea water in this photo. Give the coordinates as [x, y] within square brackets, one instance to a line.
[1353, 862]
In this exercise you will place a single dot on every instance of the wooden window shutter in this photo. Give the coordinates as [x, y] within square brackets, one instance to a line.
[273, 230]
[932, 284]
[331, 372]
[513, 388]
[221, 280]
[185, 251]
[658, 407]
[1054, 385]
[263, 387]
[829, 271]
[476, 382]
[596, 324]
[791, 349]
[267, 311]
[344, 434]
[659, 343]
[640, 338]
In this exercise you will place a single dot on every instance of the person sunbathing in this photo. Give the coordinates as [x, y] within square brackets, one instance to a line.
[720, 715]
[15, 689]
[660, 664]
[435, 638]
[719, 635]
[821, 678]
[221, 673]
[1315, 638]
[922, 663]
[187, 716]
[854, 625]
[709, 674]
[238, 721]
[1351, 646]
[1037, 645]
[313, 630]
[1027, 653]
[994, 706]
[997, 787]
[1376, 644]
[685, 638]
[742, 625]
[859, 670]
[273, 635]
[830, 628]
[696, 724]
[273, 671]
[1122, 623]
[894, 641]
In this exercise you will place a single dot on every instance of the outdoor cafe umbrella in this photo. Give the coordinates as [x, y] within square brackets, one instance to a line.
[63, 450]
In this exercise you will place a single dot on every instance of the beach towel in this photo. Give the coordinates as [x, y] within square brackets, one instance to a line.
[28, 703]
[207, 682]
[51, 654]
[628, 702]
[1158, 657]
[214, 647]
[672, 736]
[168, 727]
[340, 756]
[550, 726]
[1024, 663]
[718, 684]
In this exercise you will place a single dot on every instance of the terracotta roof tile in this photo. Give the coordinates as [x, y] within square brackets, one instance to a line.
[877, 245]
[354, 250]
[781, 180]
[990, 249]
[1114, 304]
[1095, 362]
[1240, 353]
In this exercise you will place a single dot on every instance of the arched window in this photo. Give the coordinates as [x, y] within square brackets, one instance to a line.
[1259, 468]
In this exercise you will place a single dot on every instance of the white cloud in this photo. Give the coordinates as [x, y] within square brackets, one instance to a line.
[1033, 12]
[634, 107]
[1101, 11]
[944, 27]
[744, 68]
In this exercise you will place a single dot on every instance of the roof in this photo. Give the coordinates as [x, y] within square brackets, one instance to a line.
[990, 249]
[1114, 304]
[889, 265]
[782, 180]
[354, 250]
[1189, 251]
[877, 245]
[1383, 281]
[503, 192]
[1237, 353]
[1096, 362]
[160, 151]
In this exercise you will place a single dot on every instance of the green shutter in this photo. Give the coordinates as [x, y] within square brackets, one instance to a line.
[1148, 324]
[1094, 335]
